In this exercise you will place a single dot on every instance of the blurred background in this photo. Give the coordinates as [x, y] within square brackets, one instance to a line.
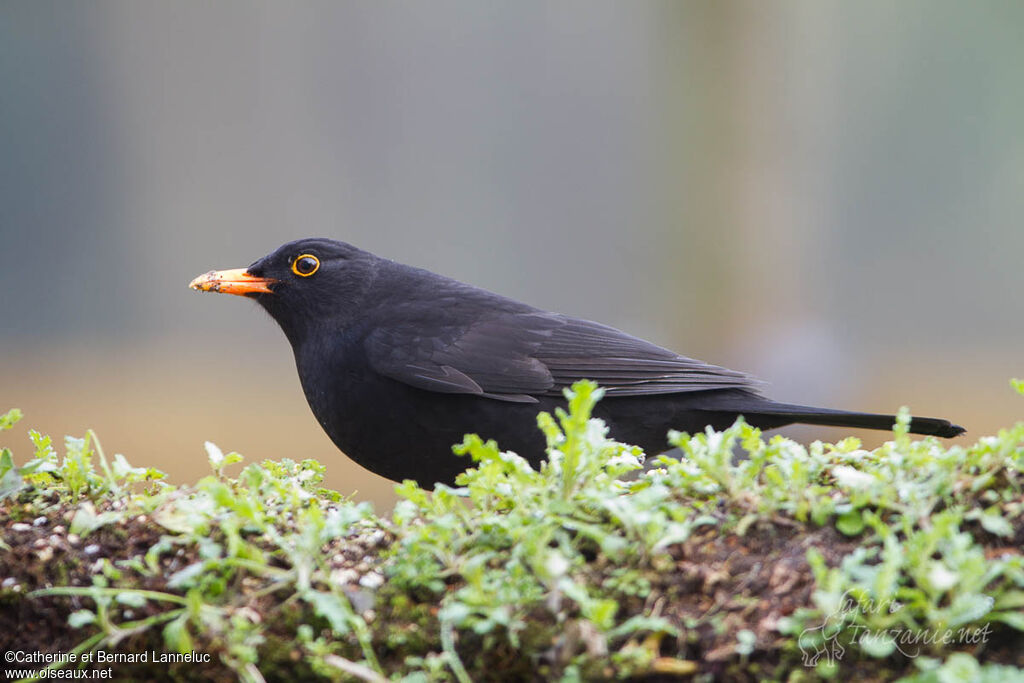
[828, 195]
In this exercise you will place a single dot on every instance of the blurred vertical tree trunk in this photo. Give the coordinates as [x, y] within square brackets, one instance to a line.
[746, 183]
[699, 95]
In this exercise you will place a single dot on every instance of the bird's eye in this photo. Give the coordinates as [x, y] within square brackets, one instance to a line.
[305, 265]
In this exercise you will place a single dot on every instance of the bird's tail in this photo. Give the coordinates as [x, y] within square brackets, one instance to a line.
[768, 414]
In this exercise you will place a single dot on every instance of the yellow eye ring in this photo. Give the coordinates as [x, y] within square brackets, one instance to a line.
[305, 265]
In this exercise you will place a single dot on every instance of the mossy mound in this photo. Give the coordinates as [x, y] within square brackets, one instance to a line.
[744, 559]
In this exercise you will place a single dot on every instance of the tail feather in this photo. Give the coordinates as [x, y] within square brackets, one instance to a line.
[768, 414]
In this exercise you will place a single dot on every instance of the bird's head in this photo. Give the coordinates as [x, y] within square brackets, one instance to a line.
[301, 284]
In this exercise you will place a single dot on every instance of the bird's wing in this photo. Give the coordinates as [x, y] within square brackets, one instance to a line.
[518, 356]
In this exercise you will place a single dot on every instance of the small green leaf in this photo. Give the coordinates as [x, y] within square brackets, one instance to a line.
[332, 608]
[1013, 619]
[969, 608]
[10, 478]
[1010, 600]
[9, 419]
[87, 520]
[81, 618]
[850, 523]
[877, 645]
[959, 667]
[131, 599]
[601, 612]
[177, 637]
[186, 577]
[746, 642]
[643, 624]
[996, 525]
[941, 577]
[215, 455]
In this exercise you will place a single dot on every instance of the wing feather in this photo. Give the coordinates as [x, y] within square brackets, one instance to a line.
[520, 355]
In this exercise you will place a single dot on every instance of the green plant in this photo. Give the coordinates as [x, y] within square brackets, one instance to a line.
[589, 566]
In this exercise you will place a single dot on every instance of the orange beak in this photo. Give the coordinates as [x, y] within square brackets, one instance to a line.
[236, 281]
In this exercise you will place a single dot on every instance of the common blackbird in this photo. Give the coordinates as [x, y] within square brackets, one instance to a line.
[398, 363]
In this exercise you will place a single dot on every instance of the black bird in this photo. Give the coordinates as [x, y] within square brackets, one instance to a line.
[398, 363]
